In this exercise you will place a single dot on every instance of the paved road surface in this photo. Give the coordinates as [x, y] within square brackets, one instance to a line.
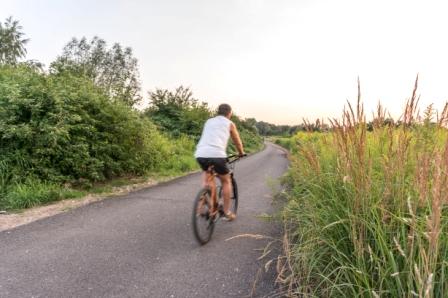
[141, 245]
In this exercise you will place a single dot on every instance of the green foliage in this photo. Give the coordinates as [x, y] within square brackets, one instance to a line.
[113, 69]
[251, 140]
[62, 128]
[12, 43]
[268, 129]
[33, 192]
[182, 149]
[286, 143]
[249, 135]
[178, 112]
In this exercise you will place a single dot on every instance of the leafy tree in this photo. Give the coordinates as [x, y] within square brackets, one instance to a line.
[249, 123]
[113, 69]
[12, 43]
[63, 128]
[178, 112]
[268, 129]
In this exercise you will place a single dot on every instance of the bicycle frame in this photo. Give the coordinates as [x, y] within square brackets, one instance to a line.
[211, 182]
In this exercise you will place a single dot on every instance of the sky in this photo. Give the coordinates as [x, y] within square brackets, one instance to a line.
[275, 60]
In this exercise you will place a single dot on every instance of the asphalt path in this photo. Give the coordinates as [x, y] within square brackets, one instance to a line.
[142, 244]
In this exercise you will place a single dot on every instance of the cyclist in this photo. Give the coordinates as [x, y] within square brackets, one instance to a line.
[211, 151]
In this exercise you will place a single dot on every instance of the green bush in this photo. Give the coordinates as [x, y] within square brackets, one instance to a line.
[181, 156]
[67, 129]
[61, 128]
[178, 113]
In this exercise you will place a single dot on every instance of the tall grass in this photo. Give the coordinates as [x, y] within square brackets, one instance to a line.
[367, 211]
[34, 192]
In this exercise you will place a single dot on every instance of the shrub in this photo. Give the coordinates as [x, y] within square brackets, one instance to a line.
[66, 129]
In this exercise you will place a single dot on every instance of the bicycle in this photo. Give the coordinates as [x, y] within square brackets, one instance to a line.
[203, 221]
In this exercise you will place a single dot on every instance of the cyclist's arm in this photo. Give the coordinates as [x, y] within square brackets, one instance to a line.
[234, 134]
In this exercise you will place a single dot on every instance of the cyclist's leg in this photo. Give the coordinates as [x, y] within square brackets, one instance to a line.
[207, 183]
[208, 179]
[226, 184]
[205, 178]
[211, 183]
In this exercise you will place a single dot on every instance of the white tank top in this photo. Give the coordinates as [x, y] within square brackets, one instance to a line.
[214, 138]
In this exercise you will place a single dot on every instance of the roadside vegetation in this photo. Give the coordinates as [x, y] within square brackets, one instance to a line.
[367, 208]
[274, 130]
[76, 124]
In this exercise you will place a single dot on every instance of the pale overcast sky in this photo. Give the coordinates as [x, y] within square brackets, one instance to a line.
[275, 60]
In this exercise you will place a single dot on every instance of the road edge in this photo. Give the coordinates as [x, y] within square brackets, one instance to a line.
[12, 220]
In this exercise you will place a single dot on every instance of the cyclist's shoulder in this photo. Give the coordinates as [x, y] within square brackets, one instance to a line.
[219, 119]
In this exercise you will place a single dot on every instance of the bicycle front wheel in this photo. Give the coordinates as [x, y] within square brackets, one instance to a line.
[202, 222]
[234, 197]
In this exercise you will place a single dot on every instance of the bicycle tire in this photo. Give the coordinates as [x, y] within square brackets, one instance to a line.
[234, 198]
[203, 218]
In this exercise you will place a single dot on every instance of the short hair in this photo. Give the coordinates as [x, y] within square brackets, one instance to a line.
[224, 109]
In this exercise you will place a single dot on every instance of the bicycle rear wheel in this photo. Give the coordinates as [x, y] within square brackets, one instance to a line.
[202, 222]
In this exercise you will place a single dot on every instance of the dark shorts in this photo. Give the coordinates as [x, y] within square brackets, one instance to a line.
[219, 164]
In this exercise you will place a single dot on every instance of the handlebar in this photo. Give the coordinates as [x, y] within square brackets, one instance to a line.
[234, 157]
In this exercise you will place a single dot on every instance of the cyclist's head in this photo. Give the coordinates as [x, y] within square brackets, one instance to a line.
[225, 110]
